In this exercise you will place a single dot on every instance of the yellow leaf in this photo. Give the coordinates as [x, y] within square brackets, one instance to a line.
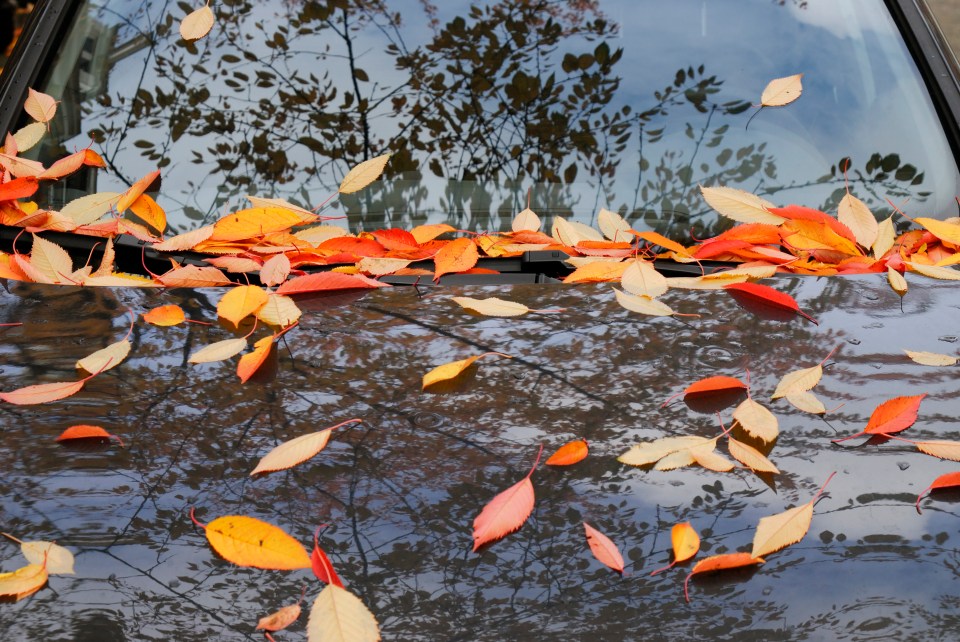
[751, 457]
[105, 358]
[59, 560]
[798, 381]
[526, 220]
[641, 279]
[646, 453]
[936, 272]
[451, 370]
[27, 137]
[246, 541]
[363, 174]
[40, 106]
[197, 23]
[931, 358]
[855, 214]
[885, 237]
[87, 209]
[949, 232]
[380, 266]
[782, 91]
[151, 213]
[595, 268]
[50, 259]
[492, 307]
[709, 458]
[253, 223]
[940, 448]
[258, 201]
[675, 460]
[756, 420]
[613, 226]
[279, 310]
[23, 581]
[717, 282]
[643, 304]
[897, 282]
[779, 531]
[296, 451]
[185, 241]
[807, 402]
[338, 615]
[685, 542]
[571, 232]
[319, 233]
[240, 302]
[739, 205]
[219, 351]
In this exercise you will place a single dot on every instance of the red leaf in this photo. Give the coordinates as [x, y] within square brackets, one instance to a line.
[18, 188]
[397, 240]
[894, 415]
[327, 281]
[720, 563]
[83, 431]
[351, 246]
[322, 567]
[948, 480]
[569, 454]
[748, 294]
[714, 384]
[799, 213]
[603, 548]
[506, 512]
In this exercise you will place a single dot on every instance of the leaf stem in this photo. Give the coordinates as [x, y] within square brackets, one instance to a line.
[194, 520]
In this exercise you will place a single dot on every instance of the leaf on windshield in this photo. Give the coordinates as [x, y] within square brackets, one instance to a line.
[275, 270]
[165, 315]
[597, 270]
[247, 541]
[643, 304]
[452, 370]
[603, 548]
[84, 431]
[279, 311]
[185, 241]
[192, 276]
[640, 278]
[739, 205]
[782, 91]
[280, 619]
[807, 402]
[28, 136]
[855, 214]
[219, 351]
[40, 107]
[776, 532]
[458, 255]
[931, 358]
[150, 212]
[506, 512]
[526, 220]
[752, 295]
[297, 450]
[569, 454]
[934, 271]
[322, 566]
[89, 208]
[613, 226]
[240, 302]
[363, 174]
[328, 281]
[197, 23]
[50, 259]
[23, 582]
[492, 306]
[338, 615]
[20, 167]
[136, 190]
[897, 283]
[18, 188]
[56, 559]
[685, 542]
[251, 362]
[64, 166]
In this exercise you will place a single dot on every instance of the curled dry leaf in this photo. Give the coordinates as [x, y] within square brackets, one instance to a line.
[603, 548]
[506, 512]
[337, 615]
[165, 315]
[219, 351]
[716, 563]
[84, 431]
[280, 619]
[197, 23]
[247, 541]
[57, 559]
[569, 454]
[23, 581]
[492, 306]
[931, 358]
[297, 450]
[756, 420]
[948, 480]
[782, 91]
[321, 564]
[453, 369]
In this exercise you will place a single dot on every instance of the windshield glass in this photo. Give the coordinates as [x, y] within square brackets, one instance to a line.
[567, 106]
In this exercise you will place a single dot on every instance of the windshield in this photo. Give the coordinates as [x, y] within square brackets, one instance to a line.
[487, 107]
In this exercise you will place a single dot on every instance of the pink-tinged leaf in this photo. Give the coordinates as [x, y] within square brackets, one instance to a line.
[42, 392]
[40, 106]
[603, 548]
[506, 512]
[275, 270]
[65, 166]
[21, 167]
[327, 281]
[185, 241]
[322, 567]
[192, 276]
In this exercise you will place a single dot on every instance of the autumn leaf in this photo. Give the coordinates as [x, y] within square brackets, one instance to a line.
[165, 315]
[603, 548]
[185, 241]
[613, 226]
[756, 420]
[327, 282]
[944, 230]
[251, 362]
[675, 452]
[338, 615]
[280, 311]
[453, 369]
[947, 480]
[931, 358]
[935, 271]
[247, 541]
[56, 559]
[892, 416]
[686, 543]
[526, 220]
[747, 294]
[800, 380]
[219, 351]
[506, 512]
[23, 582]
[640, 278]
[280, 619]
[18, 188]
[782, 91]
[149, 212]
[569, 454]
[714, 384]
[854, 213]
[716, 563]
[739, 205]
[940, 448]
[40, 106]
[275, 270]
[89, 208]
[572, 232]
[28, 136]
[105, 358]
[197, 23]
[42, 392]
[458, 255]
[50, 259]
[492, 306]
[643, 304]
[776, 532]
[296, 451]
[84, 431]
[807, 402]
[193, 276]
[136, 190]
[240, 302]
[751, 457]
[363, 174]
[322, 567]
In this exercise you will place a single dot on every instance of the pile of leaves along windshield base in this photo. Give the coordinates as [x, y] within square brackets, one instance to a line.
[276, 240]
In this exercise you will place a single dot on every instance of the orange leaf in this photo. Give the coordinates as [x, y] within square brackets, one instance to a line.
[18, 188]
[241, 302]
[83, 431]
[747, 294]
[42, 392]
[397, 240]
[322, 567]
[948, 480]
[506, 512]
[40, 106]
[597, 271]
[280, 619]
[253, 223]
[136, 190]
[151, 213]
[247, 541]
[603, 548]
[23, 581]
[251, 362]
[424, 233]
[327, 281]
[185, 241]
[569, 454]
[165, 315]
[686, 543]
[453, 369]
[716, 563]
[714, 384]
[197, 23]
[275, 270]
[65, 166]
[192, 276]
[456, 256]
[892, 416]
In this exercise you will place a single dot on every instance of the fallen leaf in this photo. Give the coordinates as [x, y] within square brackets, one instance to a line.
[363, 174]
[456, 256]
[105, 358]
[56, 559]
[940, 448]
[84, 431]
[451, 370]
[240, 302]
[935, 271]
[640, 278]
[42, 392]
[897, 282]
[572, 232]
[716, 563]
[136, 190]
[782, 91]
[798, 381]
[165, 315]
[251, 362]
[751, 457]
[492, 306]
[885, 238]
[322, 567]
[506, 512]
[280, 619]
[185, 241]
[219, 351]
[855, 214]
[807, 402]
[739, 205]
[599, 268]
[275, 270]
[193, 276]
[28, 136]
[327, 281]
[23, 581]
[18, 188]
[714, 384]
[892, 416]
[944, 230]
[526, 220]
[757, 294]
[280, 311]
[247, 541]
[643, 304]
[613, 226]
[686, 543]
[569, 454]
[39, 106]
[297, 450]
[50, 259]
[756, 420]
[197, 23]
[150, 212]
[338, 615]
[603, 548]
[776, 532]
[948, 480]
[931, 358]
